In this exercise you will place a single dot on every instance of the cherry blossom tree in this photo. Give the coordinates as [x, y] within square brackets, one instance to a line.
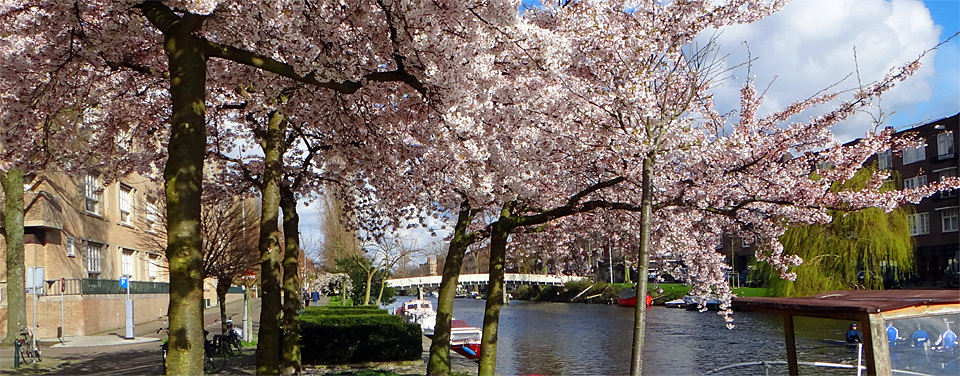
[62, 108]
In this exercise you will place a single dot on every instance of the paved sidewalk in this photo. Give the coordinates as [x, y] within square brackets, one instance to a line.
[60, 356]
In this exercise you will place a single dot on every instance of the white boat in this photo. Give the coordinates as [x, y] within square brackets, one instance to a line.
[419, 311]
[693, 302]
[676, 303]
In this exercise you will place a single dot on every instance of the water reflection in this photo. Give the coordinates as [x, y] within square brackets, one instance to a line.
[584, 339]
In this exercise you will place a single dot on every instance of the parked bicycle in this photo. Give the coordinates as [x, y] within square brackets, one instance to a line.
[214, 358]
[230, 342]
[28, 352]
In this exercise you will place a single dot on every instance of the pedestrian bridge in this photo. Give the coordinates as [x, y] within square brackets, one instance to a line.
[483, 278]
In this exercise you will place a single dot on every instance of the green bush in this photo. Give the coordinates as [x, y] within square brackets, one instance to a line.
[334, 344]
[344, 310]
[525, 292]
[354, 319]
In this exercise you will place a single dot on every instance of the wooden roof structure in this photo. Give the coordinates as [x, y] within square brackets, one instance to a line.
[871, 308]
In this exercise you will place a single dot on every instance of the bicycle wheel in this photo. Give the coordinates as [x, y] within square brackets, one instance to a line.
[214, 363]
[235, 343]
[26, 356]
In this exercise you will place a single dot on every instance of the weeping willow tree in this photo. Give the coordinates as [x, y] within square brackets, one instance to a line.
[858, 249]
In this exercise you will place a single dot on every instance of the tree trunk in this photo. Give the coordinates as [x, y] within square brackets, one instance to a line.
[223, 286]
[183, 181]
[290, 359]
[268, 343]
[640, 316]
[12, 182]
[439, 363]
[370, 273]
[495, 292]
[383, 284]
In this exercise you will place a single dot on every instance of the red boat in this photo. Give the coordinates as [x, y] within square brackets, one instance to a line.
[470, 349]
[628, 298]
[464, 339]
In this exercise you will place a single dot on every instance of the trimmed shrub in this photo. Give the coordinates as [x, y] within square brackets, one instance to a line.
[335, 344]
[347, 320]
[365, 310]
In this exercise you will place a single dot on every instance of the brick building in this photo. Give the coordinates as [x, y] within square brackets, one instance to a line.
[88, 235]
[934, 223]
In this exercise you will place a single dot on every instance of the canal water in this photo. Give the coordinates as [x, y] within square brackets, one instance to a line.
[593, 339]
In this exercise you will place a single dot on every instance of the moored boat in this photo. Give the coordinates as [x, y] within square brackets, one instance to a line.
[628, 298]
[464, 339]
[693, 302]
[419, 311]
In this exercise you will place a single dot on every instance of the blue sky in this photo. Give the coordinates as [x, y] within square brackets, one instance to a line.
[810, 45]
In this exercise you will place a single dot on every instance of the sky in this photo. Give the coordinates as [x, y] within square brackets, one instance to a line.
[810, 44]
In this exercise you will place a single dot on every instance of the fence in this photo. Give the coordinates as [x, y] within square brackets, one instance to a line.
[89, 286]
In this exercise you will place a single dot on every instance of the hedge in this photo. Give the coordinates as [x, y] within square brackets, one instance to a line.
[346, 320]
[336, 344]
[338, 310]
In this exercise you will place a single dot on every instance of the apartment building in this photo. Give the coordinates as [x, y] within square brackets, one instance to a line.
[935, 223]
[87, 235]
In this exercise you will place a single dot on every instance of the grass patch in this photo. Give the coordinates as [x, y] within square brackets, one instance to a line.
[337, 301]
[673, 291]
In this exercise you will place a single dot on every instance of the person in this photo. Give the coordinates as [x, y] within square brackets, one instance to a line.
[315, 296]
[235, 329]
[947, 340]
[854, 335]
[306, 298]
[919, 337]
[892, 334]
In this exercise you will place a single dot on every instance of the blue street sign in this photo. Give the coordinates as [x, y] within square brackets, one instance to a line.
[124, 282]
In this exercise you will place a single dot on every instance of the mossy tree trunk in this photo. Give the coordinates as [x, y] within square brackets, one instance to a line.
[269, 343]
[183, 181]
[495, 290]
[290, 358]
[12, 181]
[439, 363]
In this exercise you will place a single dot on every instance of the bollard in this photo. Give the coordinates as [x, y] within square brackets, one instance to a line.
[16, 354]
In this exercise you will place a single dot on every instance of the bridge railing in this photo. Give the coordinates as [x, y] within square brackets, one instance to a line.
[483, 278]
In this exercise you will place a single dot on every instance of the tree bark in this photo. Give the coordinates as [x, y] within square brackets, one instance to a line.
[370, 272]
[495, 291]
[640, 313]
[223, 287]
[183, 181]
[290, 359]
[439, 363]
[12, 182]
[268, 343]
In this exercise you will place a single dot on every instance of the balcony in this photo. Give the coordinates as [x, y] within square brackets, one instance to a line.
[42, 209]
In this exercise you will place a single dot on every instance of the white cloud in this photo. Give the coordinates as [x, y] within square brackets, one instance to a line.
[810, 44]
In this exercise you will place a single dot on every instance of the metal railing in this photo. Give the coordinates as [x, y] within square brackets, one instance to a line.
[88, 286]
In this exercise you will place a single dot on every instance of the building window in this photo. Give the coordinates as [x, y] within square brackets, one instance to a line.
[154, 266]
[150, 217]
[915, 182]
[948, 173]
[949, 219]
[945, 148]
[912, 155]
[91, 259]
[92, 190]
[71, 247]
[885, 158]
[126, 263]
[919, 224]
[126, 204]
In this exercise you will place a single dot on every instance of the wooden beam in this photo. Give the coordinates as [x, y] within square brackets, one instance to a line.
[791, 340]
[875, 347]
